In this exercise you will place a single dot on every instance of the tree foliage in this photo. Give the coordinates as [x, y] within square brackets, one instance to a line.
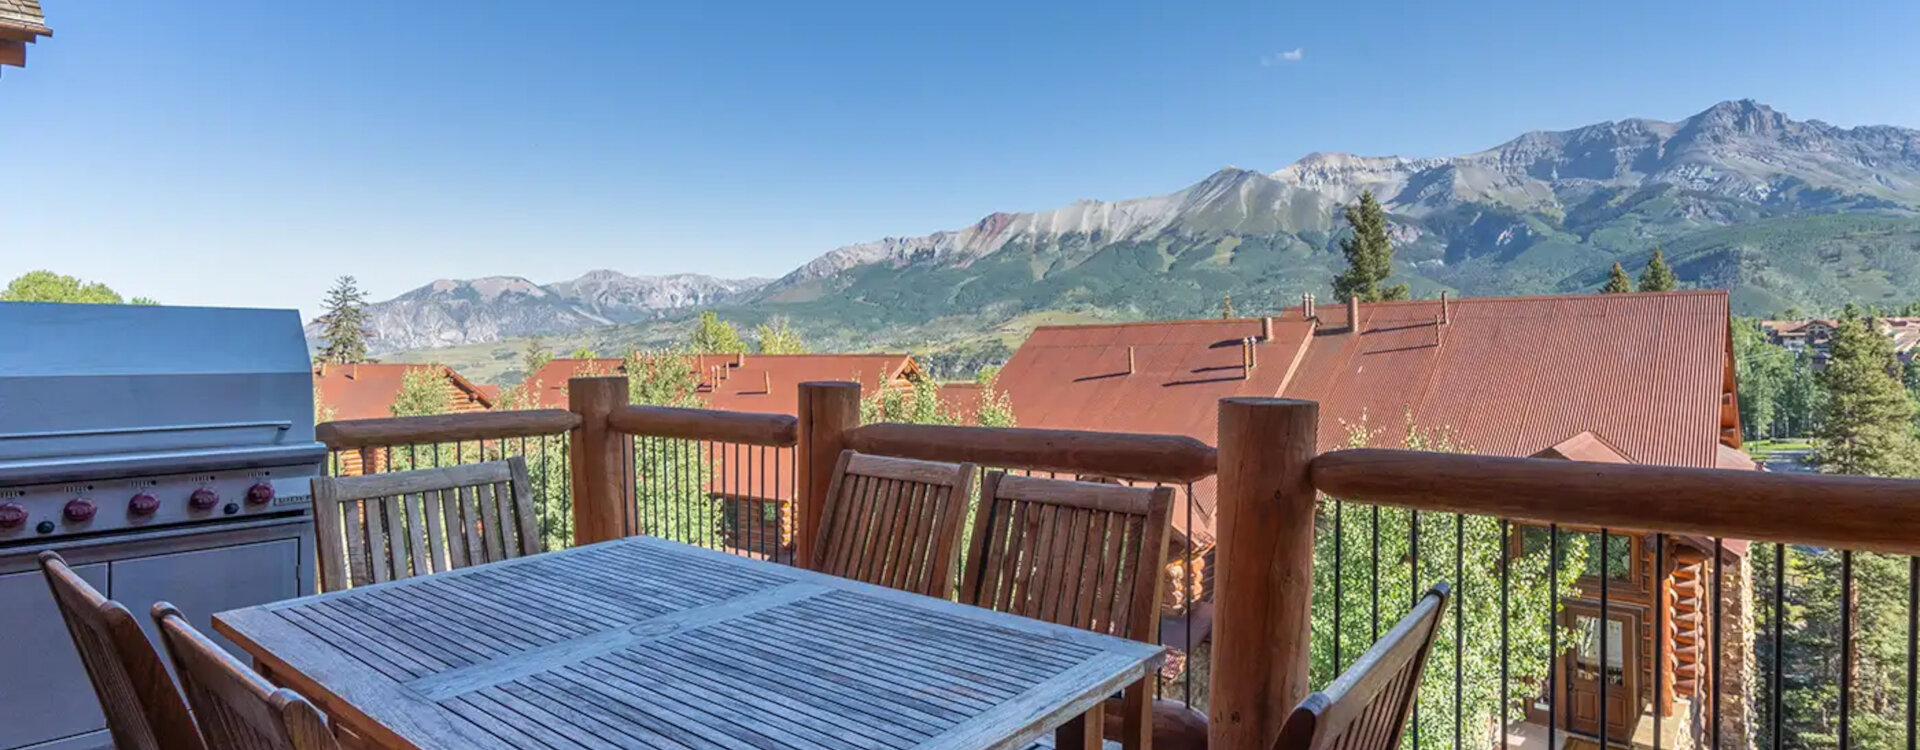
[423, 392]
[343, 328]
[1659, 276]
[1366, 593]
[47, 286]
[1618, 282]
[1808, 624]
[918, 403]
[996, 409]
[674, 486]
[1867, 425]
[777, 336]
[1369, 255]
[711, 335]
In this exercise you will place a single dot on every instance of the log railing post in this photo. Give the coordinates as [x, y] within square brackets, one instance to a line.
[600, 510]
[1264, 581]
[827, 411]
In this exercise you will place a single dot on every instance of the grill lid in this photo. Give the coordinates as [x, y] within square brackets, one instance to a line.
[92, 389]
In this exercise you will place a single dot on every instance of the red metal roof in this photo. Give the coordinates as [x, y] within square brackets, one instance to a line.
[367, 391]
[767, 383]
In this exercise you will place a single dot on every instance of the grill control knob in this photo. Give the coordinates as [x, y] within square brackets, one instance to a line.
[79, 510]
[143, 505]
[12, 516]
[204, 499]
[260, 494]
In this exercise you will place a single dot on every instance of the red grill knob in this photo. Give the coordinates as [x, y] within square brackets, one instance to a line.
[260, 494]
[143, 505]
[204, 499]
[79, 510]
[12, 516]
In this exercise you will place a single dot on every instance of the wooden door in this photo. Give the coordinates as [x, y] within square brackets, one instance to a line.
[1583, 668]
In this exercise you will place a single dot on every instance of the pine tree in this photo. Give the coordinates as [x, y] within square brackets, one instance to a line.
[343, 329]
[1226, 307]
[1659, 276]
[777, 336]
[534, 356]
[1867, 423]
[1618, 282]
[1369, 255]
[711, 335]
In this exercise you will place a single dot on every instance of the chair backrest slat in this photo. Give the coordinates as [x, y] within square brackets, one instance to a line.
[894, 522]
[1073, 553]
[1366, 707]
[238, 709]
[143, 707]
[385, 527]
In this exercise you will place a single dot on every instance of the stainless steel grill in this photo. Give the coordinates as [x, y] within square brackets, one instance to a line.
[167, 453]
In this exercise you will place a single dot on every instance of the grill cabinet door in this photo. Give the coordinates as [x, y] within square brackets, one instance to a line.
[44, 692]
[206, 581]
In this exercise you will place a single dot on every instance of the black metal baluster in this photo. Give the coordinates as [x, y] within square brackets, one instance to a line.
[1553, 632]
[1506, 616]
[1718, 555]
[1661, 672]
[1459, 629]
[1339, 578]
[1374, 563]
[1606, 573]
[1846, 648]
[1913, 647]
[1413, 592]
[1779, 642]
[1191, 582]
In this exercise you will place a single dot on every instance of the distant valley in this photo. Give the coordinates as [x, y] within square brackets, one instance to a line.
[1782, 212]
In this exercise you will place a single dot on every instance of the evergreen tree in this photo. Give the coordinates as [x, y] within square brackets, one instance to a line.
[47, 286]
[1369, 255]
[1618, 282]
[1226, 307]
[777, 336]
[1659, 276]
[1763, 370]
[343, 329]
[534, 356]
[423, 392]
[711, 335]
[1867, 423]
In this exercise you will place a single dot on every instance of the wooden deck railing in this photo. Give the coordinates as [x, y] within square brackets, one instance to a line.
[1271, 479]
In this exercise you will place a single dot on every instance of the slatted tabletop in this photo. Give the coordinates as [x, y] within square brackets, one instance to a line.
[643, 642]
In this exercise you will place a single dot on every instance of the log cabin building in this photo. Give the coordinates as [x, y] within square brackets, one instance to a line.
[367, 391]
[754, 486]
[1640, 378]
[21, 23]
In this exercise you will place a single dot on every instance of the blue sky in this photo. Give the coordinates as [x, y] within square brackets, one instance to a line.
[245, 153]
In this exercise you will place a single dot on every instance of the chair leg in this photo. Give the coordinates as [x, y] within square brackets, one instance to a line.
[1081, 732]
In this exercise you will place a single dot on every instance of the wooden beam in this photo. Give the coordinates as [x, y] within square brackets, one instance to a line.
[13, 53]
[443, 428]
[1263, 595]
[828, 410]
[1174, 459]
[778, 430]
[600, 469]
[1823, 510]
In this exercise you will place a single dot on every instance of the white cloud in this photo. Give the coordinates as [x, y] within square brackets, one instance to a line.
[1293, 55]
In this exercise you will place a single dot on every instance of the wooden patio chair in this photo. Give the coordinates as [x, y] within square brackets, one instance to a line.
[143, 707]
[1080, 554]
[385, 527]
[1366, 707]
[894, 522]
[238, 709]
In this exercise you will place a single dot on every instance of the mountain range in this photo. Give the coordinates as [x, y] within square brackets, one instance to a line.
[1782, 212]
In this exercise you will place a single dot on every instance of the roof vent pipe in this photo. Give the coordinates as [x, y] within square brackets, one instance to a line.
[1353, 313]
[739, 359]
[1445, 318]
[1129, 360]
[1266, 328]
[1306, 305]
[766, 382]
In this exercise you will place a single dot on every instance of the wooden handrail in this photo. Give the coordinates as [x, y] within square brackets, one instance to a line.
[1174, 459]
[778, 430]
[383, 432]
[1856, 513]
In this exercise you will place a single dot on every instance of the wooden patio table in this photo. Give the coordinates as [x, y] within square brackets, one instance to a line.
[643, 642]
